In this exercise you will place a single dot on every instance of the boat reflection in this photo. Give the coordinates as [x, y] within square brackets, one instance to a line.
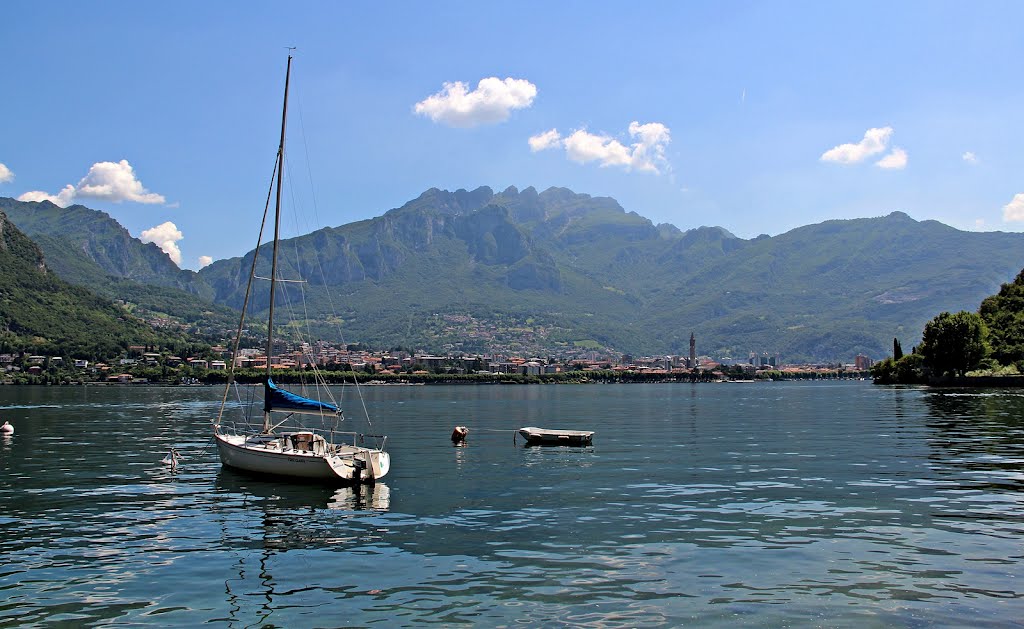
[265, 520]
[281, 496]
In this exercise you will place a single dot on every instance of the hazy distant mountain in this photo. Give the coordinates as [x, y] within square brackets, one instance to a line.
[532, 272]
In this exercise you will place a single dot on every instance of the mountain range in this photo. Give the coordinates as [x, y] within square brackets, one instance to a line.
[553, 271]
[44, 314]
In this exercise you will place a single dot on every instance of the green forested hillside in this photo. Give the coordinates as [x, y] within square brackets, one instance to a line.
[1003, 314]
[41, 313]
[88, 248]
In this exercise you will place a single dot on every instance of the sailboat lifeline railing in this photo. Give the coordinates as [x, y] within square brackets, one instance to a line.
[330, 435]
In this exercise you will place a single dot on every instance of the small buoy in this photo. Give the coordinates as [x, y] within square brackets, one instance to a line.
[459, 434]
[7, 429]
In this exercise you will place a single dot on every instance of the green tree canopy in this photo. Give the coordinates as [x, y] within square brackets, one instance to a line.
[954, 343]
[1004, 316]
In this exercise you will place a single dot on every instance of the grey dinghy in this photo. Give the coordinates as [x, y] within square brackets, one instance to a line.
[546, 436]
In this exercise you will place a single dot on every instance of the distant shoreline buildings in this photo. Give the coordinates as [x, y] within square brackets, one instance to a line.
[321, 354]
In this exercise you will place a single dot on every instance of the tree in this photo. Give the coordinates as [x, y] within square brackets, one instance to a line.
[954, 343]
[908, 370]
[1004, 316]
[897, 349]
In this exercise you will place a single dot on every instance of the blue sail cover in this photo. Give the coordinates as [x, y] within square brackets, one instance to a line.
[275, 399]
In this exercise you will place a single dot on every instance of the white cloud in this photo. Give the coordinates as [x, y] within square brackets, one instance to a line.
[115, 181]
[62, 198]
[896, 160]
[205, 261]
[547, 140]
[5, 174]
[165, 236]
[1014, 210]
[492, 101]
[970, 157]
[585, 147]
[875, 141]
[646, 154]
[649, 152]
[110, 181]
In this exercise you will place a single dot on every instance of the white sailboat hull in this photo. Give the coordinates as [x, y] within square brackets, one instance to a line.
[265, 456]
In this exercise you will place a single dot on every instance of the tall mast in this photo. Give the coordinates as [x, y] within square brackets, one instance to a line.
[277, 228]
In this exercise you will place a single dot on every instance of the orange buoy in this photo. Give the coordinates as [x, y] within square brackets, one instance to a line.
[459, 434]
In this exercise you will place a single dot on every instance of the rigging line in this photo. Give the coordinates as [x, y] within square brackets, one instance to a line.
[302, 289]
[309, 166]
[316, 215]
[501, 430]
[318, 379]
[319, 384]
[320, 263]
[248, 289]
[304, 387]
[341, 333]
[316, 254]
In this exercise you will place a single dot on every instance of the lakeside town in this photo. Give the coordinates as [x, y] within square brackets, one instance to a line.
[142, 365]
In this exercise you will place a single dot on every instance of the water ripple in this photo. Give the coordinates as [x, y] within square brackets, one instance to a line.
[900, 509]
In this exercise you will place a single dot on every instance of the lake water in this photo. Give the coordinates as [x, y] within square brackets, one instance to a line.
[768, 504]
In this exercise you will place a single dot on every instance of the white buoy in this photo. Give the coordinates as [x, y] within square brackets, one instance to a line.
[7, 429]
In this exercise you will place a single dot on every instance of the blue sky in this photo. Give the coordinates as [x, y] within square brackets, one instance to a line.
[754, 116]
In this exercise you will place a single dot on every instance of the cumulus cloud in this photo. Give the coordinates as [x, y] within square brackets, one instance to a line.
[492, 101]
[969, 157]
[166, 236]
[645, 154]
[649, 152]
[205, 261]
[896, 160]
[115, 181]
[874, 142]
[584, 147]
[546, 140]
[1014, 210]
[5, 174]
[110, 181]
[62, 198]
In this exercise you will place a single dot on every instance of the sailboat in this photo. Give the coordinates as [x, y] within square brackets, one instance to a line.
[277, 448]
